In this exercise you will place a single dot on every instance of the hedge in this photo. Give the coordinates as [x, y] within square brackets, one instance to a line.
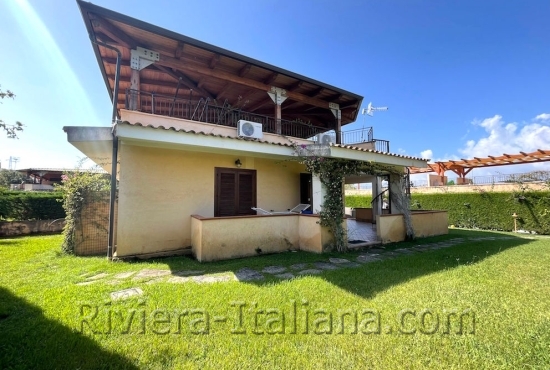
[24, 206]
[483, 210]
[358, 201]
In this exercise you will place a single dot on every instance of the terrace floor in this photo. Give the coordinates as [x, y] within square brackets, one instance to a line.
[361, 233]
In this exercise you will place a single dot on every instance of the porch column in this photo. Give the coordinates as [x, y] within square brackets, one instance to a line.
[278, 96]
[377, 204]
[335, 109]
[318, 192]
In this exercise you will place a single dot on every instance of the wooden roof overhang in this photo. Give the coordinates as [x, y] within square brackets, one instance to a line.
[464, 166]
[210, 71]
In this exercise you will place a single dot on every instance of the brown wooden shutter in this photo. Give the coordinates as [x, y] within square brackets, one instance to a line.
[235, 192]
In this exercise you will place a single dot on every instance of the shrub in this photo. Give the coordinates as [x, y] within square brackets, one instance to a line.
[483, 210]
[25, 206]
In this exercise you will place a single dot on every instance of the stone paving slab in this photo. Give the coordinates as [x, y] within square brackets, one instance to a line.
[98, 276]
[179, 279]
[188, 272]
[309, 272]
[350, 264]
[274, 269]
[124, 275]
[126, 293]
[286, 275]
[211, 279]
[248, 274]
[404, 251]
[326, 266]
[367, 259]
[88, 282]
[299, 266]
[150, 273]
[338, 260]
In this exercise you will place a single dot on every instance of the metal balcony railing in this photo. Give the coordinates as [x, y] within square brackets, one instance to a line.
[206, 110]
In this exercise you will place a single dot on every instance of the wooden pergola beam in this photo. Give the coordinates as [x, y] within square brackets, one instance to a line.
[214, 61]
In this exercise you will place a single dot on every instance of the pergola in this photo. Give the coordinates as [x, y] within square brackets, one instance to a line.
[186, 68]
[464, 166]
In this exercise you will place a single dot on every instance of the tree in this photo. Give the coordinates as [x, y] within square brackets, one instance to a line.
[8, 177]
[11, 130]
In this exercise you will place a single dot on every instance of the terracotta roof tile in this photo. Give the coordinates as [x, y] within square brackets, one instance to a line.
[344, 146]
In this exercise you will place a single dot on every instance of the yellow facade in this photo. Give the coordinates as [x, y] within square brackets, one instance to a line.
[161, 188]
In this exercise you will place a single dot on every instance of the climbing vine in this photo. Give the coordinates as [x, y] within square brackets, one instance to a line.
[79, 188]
[331, 172]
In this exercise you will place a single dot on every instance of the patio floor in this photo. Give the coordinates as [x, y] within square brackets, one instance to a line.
[361, 233]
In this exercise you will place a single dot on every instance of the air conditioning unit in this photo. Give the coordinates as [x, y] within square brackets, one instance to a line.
[249, 129]
[326, 139]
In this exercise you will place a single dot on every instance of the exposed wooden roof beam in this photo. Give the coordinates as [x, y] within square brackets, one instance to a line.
[223, 90]
[169, 61]
[272, 77]
[113, 32]
[244, 70]
[215, 59]
[260, 104]
[179, 50]
[174, 74]
[196, 68]
[296, 85]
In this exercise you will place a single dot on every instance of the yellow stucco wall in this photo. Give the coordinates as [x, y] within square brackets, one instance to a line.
[391, 228]
[161, 188]
[233, 237]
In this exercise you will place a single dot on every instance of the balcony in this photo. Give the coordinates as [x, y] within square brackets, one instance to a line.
[208, 111]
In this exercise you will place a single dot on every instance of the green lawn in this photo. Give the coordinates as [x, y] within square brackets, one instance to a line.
[501, 286]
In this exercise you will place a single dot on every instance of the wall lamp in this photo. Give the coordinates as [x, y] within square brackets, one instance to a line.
[238, 163]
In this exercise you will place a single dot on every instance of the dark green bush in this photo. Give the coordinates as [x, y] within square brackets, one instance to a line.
[23, 206]
[491, 210]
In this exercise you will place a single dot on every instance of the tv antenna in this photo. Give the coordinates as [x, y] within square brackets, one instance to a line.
[13, 162]
[369, 110]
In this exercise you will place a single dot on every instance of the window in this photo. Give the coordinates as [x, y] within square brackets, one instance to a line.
[234, 192]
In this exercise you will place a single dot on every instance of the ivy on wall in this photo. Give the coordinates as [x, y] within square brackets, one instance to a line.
[79, 189]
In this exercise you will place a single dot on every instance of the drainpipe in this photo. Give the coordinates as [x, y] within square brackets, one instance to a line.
[114, 155]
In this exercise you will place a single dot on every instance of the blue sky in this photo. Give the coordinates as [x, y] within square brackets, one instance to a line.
[461, 78]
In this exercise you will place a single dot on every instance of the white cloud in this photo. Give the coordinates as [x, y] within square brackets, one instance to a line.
[543, 117]
[510, 138]
[427, 154]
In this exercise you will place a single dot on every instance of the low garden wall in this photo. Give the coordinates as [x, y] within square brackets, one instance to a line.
[391, 228]
[222, 238]
[16, 228]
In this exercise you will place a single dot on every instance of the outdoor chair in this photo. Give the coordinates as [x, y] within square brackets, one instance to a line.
[296, 210]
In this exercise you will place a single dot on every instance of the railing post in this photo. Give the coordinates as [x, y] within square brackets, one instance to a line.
[153, 103]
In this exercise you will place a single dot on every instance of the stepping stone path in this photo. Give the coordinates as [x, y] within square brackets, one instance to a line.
[147, 274]
[125, 294]
[211, 278]
[154, 276]
[299, 266]
[326, 266]
[274, 269]
[97, 277]
[309, 272]
[247, 274]
[338, 260]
